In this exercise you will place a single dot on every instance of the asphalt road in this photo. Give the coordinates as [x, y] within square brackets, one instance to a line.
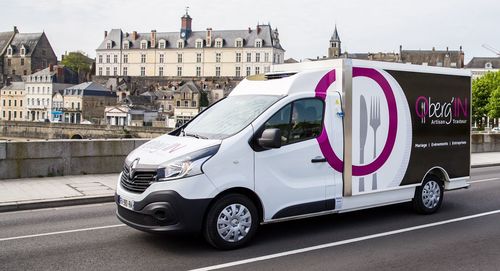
[388, 238]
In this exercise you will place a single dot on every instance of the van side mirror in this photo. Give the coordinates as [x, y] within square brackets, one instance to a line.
[270, 139]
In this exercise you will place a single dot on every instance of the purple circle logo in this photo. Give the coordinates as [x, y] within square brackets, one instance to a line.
[323, 140]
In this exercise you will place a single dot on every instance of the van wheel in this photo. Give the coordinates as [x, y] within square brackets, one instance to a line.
[231, 222]
[429, 196]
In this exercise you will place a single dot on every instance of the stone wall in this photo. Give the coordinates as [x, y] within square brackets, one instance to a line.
[64, 157]
[485, 143]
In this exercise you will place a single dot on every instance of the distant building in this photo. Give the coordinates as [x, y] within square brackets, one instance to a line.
[24, 53]
[86, 101]
[39, 89]
[439, 58]
[188, 53]
[11, 101]
[481, 65]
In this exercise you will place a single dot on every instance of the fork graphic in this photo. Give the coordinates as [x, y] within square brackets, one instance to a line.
[374, 123]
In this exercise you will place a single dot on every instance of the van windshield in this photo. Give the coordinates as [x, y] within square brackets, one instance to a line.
[228, 116]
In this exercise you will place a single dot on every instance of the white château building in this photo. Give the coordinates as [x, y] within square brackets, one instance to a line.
[187, 53]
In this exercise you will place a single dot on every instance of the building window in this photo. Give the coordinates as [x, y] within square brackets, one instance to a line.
[125, 70]
[180, 44]
[143, 71]
[23, 51]
[266, 57]
[162, 44]
[198, 71]
[199, 44]
[143, 58]
[249, 57]
[162, 58]
[107, 71]
[179, 58]
[13, 72]
[160, 71]
[267, 69]
[258, 43]
[179, 71]
[115, 71]
[22, 61]
[126, 45]
[239, 43]
[198, 58]
[9, 62]
[218, 43]
[115, 58]
[238, 57]
[186, 103]
[25, 72]
[15, 102]
[178, 103]
[248, 71]
[217, 71]
[9, 52]
[20, 114]
[100, 71]
[257, 70]
[108, 45]
[193, 103]
[257, 57]
[108, 59]
[125, 58]
[217, 57]
[100, 58]
[238, 72]
[144, 45]
[20, 103]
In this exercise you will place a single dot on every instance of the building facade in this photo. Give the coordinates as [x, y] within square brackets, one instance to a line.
[188, 53]
[11, 102]
[86, 101]
[25, 53]
[481, 65]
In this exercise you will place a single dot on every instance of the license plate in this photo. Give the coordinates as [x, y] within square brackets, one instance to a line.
[126, 203]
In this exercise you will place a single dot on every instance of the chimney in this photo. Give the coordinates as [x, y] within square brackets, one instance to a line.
[60, 74]
[258, 29]
[446, 48]
[62, 57]
[208, 39]
[153, 38]
[433, 48]
[15, 29]
[105, 33]
[7, 81]
[134, 35]
[51, 67]
[249, 30]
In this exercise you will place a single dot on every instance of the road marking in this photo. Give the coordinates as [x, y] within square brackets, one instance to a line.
[60, 232]
[485, 180]
[343, 242]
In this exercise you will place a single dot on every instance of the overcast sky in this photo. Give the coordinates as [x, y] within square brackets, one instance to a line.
[305, 27]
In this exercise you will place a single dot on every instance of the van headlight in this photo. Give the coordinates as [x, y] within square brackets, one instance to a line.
[185, 166]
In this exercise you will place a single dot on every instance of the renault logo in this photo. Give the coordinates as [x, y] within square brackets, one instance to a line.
[133, 166]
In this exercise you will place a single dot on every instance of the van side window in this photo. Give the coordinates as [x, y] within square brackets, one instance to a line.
[298, 121]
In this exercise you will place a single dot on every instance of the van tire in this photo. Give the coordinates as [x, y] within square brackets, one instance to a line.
[429, 196]
[241, 218]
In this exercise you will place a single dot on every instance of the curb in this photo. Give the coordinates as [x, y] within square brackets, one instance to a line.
[30, 205]
[485, 165]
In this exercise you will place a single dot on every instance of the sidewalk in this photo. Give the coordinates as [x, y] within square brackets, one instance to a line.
[35, 193]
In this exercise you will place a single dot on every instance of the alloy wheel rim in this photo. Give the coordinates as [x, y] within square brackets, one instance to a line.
[431, 194]
[234, 222]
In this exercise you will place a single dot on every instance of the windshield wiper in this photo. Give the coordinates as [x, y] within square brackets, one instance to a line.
[194, 135]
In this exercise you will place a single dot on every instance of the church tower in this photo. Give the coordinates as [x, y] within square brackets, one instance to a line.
[334, 49]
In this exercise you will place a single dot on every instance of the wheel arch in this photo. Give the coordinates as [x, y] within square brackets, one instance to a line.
[243, 191]
[439, 172]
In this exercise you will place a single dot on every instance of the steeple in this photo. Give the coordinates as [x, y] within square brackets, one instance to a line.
[334, 49]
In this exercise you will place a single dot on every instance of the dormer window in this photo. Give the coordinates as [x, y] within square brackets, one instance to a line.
[162, 44]
[238, 43]
[126, 44]
[199, 43]
[488, 65]
[23, 51]
[218, 43]
[9, 51]
[258, 43]
[144, 44]
[180, 44]
[109, 44]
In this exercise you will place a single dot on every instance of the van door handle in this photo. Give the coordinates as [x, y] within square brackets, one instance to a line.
[318, 160]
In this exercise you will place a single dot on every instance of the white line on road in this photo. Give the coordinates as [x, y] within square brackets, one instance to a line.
[485, 180]
[60, 232]
[343, 242]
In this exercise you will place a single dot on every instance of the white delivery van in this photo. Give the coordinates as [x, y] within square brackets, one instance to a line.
[306, 139]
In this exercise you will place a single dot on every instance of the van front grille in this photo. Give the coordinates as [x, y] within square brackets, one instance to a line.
[139, 181]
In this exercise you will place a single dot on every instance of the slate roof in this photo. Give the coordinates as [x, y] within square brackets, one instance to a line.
[14, 86]
[189, 86]
[431, 56]
[480, 62]
[5, 38]
[68, 76]
[88, 89]
[335, 36]
[29, 40]
[266, 33]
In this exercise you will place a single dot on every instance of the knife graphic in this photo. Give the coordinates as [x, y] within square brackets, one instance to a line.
[363, 130]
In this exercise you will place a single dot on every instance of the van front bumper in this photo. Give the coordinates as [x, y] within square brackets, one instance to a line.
[164, 211]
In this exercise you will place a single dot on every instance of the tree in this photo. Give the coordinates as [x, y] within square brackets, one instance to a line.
[482, 89]
[494, 104]
[78, 62]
